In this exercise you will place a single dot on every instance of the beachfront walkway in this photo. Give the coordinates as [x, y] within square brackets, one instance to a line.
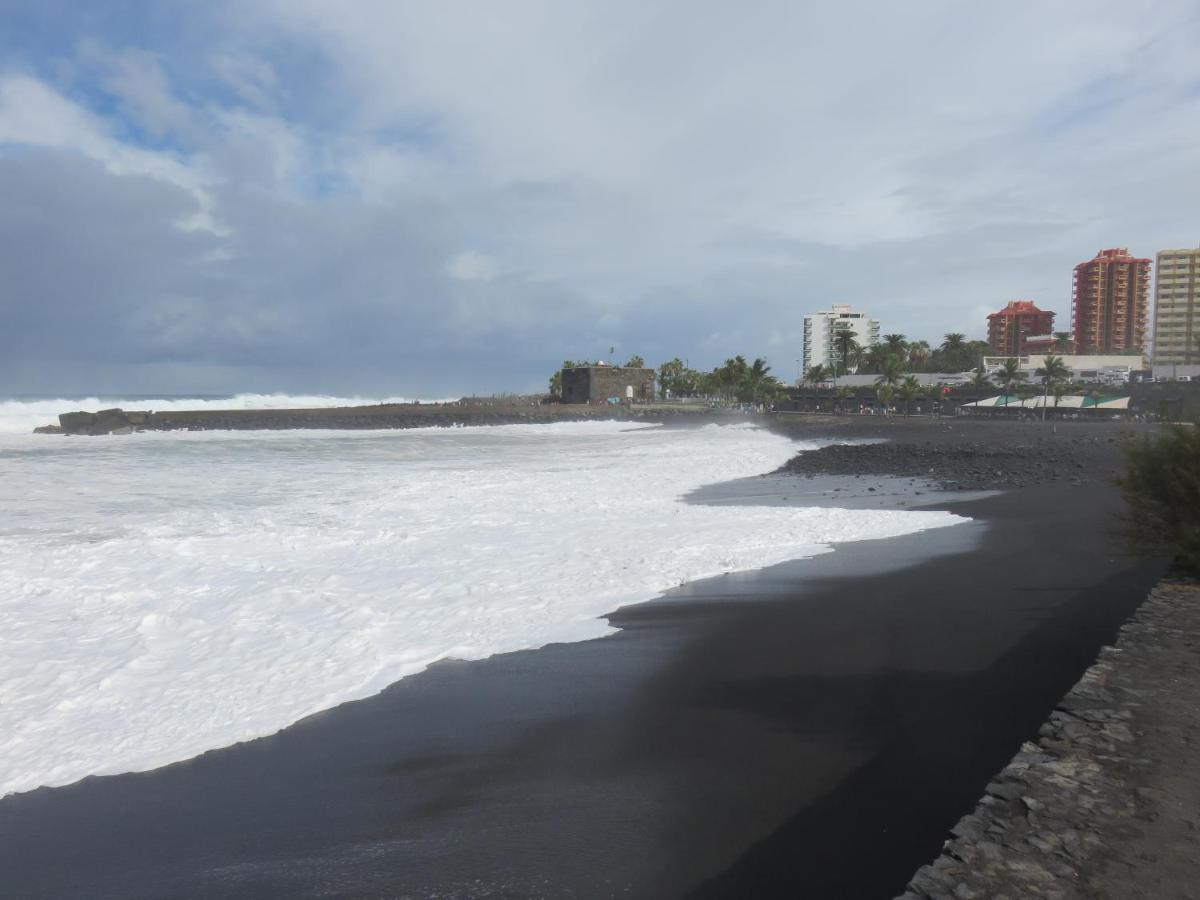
[1106, 804]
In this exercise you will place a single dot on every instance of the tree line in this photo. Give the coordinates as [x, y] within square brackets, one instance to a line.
[892, 384]
[734, 380]
[893, 361]
[896, 354]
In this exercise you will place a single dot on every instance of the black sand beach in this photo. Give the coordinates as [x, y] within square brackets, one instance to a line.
[811, 730]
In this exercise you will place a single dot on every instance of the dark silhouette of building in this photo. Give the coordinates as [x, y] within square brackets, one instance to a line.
[1109, 303]
[597, 384]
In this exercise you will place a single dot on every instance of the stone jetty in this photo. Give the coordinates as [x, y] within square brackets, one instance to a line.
[469, 411]
[1106, 802]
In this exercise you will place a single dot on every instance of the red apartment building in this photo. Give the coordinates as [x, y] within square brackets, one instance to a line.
[1109, 303]
[1011, 329]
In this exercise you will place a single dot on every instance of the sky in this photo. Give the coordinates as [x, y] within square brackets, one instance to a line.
[432, 199]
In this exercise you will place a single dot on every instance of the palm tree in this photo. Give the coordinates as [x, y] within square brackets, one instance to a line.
[872, 359]
[731, 375]
[1009, 376]
[976, 351]
[1052, 371]
[890, 372]
[1059, 389]
[847, 347]
[1063, 342]
[755, 376]
[954, 342]
[816, 375]
[918, 353]
[857, 353]
[671, 378]
[954, 352]
[980, 378]
[910, 389]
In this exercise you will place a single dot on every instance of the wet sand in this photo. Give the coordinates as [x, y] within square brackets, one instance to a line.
[810, 730]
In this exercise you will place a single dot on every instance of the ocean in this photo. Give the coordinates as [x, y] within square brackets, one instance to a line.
[164, 594]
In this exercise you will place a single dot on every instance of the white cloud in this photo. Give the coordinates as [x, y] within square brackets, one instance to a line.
[251, 78]
[795, 119]
[34, 114]
[472, 266]
[680, 175]
[136, 79]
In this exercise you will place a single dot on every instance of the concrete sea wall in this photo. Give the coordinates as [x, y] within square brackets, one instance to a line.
[116, 421]
[1106, 803]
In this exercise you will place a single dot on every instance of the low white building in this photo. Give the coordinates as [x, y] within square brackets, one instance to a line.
[1170, 372]
[926, 379]
[1110, 369]
[821, 329]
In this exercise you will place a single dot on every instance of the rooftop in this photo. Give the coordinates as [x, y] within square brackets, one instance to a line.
[1020, 308]
[1115, 254]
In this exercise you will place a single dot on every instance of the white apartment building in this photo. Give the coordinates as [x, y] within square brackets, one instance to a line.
[821, 328]
[1176, 292]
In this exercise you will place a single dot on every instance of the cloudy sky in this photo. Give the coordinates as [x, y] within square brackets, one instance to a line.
[434, 198]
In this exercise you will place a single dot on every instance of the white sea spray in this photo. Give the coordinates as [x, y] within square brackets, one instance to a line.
[163, 594]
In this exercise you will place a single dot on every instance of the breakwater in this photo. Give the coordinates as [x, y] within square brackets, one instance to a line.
[1106, 802]
[381, 416]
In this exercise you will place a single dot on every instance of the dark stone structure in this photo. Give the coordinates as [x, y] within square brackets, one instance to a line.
[596, 384]
[414, 415]
[106, 421]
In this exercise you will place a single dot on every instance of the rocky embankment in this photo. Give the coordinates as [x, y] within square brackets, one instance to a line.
[962, 458]
[117, 421]
[1106, 803]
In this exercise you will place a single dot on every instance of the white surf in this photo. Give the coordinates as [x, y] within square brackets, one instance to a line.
[166, 594]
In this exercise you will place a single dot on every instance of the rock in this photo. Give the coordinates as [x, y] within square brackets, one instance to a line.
[1005, 791]
[106, 421]
[76, 422]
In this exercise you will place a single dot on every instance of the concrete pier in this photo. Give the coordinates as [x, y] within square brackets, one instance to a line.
[387, 415]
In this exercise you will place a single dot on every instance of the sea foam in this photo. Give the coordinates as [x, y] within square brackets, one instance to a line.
[163, 594]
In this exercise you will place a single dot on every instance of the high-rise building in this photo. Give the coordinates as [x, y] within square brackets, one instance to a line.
[1010, 329]
[821, 329]
[1176, 292]
[1109, 302]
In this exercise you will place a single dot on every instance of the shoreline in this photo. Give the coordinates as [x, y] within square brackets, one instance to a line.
[694, 750]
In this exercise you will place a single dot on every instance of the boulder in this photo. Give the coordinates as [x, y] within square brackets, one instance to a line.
[76, 422]
[106, 421]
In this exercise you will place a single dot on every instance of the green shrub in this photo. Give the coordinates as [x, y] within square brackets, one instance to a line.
[1162, 487]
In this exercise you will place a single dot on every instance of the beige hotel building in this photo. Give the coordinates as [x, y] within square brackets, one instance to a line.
[1176, 329]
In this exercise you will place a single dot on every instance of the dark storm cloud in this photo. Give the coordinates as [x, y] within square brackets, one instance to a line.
[415, 199]
[331, 293]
